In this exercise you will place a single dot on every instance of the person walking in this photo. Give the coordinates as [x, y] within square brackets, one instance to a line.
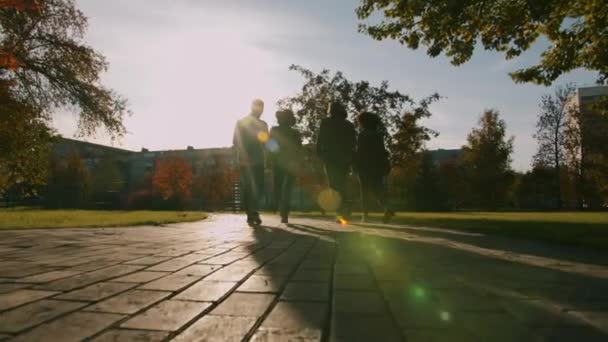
[335, 148]
[285, 152]
[250, 138]
[372, 164]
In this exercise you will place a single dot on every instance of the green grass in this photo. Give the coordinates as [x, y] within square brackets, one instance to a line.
[22, 218]
[588, 229]
[574, 228]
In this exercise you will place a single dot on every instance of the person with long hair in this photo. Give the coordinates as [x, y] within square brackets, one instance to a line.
[372, 163]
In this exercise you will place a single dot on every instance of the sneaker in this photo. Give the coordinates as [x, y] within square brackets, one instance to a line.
[388, 215]
[256, 219]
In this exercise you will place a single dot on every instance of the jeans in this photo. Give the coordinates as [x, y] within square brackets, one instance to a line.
[252, 178]
[372, 187]
[336, 176]
[283, 184]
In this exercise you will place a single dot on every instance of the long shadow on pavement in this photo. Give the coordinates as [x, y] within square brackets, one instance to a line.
[363, 283]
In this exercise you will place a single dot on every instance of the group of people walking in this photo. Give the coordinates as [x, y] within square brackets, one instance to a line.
[340, 147]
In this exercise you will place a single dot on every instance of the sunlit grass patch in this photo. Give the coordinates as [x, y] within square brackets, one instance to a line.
[21, 218]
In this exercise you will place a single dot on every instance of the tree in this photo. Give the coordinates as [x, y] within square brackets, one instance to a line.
[24, 149]
[173, 179]
[319, 90]
[577, 31]
[487, 160]
[215, 185]
[551, 133]
[48, 65]
[44, 66]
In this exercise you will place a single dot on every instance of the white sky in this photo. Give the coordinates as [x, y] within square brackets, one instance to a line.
[191, 68]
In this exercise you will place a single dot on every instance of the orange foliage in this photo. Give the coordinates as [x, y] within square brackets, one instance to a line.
[9, 61]
[173, 178]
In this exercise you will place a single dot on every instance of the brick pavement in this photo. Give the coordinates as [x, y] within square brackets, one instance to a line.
[219, 280]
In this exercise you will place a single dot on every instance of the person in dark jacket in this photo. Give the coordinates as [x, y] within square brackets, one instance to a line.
[286, 150]
[372, 163]
[250, 138]
[335, 148]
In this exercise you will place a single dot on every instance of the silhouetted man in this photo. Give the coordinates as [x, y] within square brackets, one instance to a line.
[286, 152]
[250, 137]
[335, 148]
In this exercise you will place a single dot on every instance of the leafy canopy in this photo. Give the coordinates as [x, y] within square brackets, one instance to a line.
[45, 64]
[577, 31]
[400, 113]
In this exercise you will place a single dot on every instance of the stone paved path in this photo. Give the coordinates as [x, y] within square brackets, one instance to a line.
[219, 280]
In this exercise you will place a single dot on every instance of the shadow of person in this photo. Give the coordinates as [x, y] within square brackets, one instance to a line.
[349, 284]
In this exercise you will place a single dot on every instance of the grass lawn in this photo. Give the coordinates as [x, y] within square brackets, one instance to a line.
[34, 218]
[573, 228]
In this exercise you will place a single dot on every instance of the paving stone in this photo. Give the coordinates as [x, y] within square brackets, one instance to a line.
[49, 276]
[73, 327]
[206, 291]
[173, 282]
[82, 280]
[199, 270]
[276, 270]
[9, 287]
[148, 260]
[212, 328]
[244, 304]
[32, 314]
[266, 284]
[23, 271]
[141, 277]
[569, 333]
[353, 327]
[169, 315]
[459, 300]
[439, 335]
[293, 321]
[171, 265]
[129, 302]
[349, 269]
[119, 335]
[230, 273]
[353, 282]
[224, 259]
[20, 297]
[489, 326]
[306, 291]
[96, 292]
[358, 302]
[312, 275]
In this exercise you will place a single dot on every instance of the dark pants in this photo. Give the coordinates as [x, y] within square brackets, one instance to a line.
[283, 184]
[372, 187]
[336, 176]
[252, 178]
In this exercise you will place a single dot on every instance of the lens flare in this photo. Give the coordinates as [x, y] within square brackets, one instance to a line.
[418, 292]
[263, 137]
[329, 200]
[272, 146]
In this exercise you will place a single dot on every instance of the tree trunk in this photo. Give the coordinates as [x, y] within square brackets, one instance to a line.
[558, 185]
